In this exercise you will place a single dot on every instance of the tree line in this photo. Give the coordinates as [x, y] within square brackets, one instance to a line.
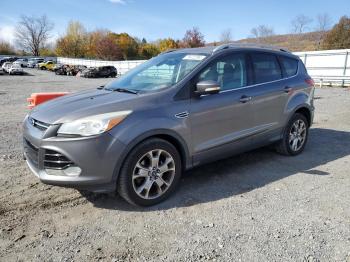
[33, 34]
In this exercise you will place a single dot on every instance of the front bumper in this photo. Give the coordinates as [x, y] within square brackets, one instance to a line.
[95, 156]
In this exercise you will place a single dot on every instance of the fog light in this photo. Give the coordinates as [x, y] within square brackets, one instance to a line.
[70, 171]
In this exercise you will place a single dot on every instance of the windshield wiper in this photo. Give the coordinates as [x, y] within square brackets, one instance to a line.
[122, 90]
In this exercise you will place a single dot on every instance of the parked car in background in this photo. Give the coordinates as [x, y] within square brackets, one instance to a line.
[3, 60]
[6, 66]
[33, 62]
[12, 59]
[60, 69]
[48, 65]
[15, 69]
[69, 70]
[178, 110]
[73, 70]
[22, 62]
[102, 71]
[57, 67]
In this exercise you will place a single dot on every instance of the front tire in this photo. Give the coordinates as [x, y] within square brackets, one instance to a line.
[294, 137]
[150, 173]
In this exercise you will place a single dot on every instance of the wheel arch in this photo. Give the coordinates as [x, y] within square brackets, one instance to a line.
[305, 111]
[167, 135]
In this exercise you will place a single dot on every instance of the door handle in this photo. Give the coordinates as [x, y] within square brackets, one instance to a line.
[287, 89]
[245, 99]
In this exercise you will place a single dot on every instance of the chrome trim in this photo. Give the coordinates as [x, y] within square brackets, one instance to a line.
[209, 89]
[38, 124]
[184, 114]
[244, 87]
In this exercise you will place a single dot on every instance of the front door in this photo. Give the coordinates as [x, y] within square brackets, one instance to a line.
[221, 121]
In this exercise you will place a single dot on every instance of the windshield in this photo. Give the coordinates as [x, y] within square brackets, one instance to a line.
[160, 72]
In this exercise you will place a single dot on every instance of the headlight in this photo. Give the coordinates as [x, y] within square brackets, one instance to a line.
[93, 125]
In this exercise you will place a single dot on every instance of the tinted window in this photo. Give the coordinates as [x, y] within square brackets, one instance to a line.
[290, 65]
[228, 71]
[266, 68]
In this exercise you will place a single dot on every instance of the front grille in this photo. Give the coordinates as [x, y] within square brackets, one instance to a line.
[55, 160]
[38, 124]
[31, 151]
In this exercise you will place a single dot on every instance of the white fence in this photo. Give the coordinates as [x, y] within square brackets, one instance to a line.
[122, 66]
[331, 66]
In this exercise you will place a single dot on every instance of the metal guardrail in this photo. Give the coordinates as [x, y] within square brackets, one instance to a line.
[332, 80]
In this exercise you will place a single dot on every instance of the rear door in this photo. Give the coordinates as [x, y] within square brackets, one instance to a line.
[271, 92]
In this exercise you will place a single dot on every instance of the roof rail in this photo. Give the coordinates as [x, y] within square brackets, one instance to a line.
[251, 45]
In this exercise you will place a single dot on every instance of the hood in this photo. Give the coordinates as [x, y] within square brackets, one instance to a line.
[82, 104]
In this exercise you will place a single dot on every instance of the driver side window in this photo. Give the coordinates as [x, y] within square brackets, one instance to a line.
[229, 71]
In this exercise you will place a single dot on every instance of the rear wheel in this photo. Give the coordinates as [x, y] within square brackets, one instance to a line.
[150, 173]
[295, 136]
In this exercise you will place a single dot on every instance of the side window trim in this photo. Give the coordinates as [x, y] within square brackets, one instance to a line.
[280, 66]
[247, 69]
[284, 72]
[279, 57]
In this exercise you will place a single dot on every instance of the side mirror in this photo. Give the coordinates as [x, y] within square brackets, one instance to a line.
[207, 87]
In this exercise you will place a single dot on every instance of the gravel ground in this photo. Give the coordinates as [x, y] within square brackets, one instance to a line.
[258, 206]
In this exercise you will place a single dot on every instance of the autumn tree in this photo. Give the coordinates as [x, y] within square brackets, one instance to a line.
[148, 51]
[48, 52]
[193, 38]
[74, 43]
[92, 39]
[32, 33]
[339, 36]
[166, 44]
[6, 48]
[107, 49]
[127, 45]
[300, 24]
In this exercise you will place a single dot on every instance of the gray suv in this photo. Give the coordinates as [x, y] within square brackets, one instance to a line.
[181, 109]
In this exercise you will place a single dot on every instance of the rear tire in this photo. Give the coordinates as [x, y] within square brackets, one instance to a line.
[294, 137]
[150, 173]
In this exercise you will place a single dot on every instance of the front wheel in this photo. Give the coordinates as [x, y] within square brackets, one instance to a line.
[295, 136]
[150, 173]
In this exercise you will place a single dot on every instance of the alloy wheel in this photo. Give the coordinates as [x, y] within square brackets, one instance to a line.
[153, 174]
[297, 135]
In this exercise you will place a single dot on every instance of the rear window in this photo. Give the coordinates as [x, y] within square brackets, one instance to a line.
[290, 65]
[266, 68]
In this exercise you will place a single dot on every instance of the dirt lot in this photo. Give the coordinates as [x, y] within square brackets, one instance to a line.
[258, 206]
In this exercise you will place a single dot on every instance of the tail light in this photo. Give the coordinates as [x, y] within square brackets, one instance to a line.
[310, 82]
